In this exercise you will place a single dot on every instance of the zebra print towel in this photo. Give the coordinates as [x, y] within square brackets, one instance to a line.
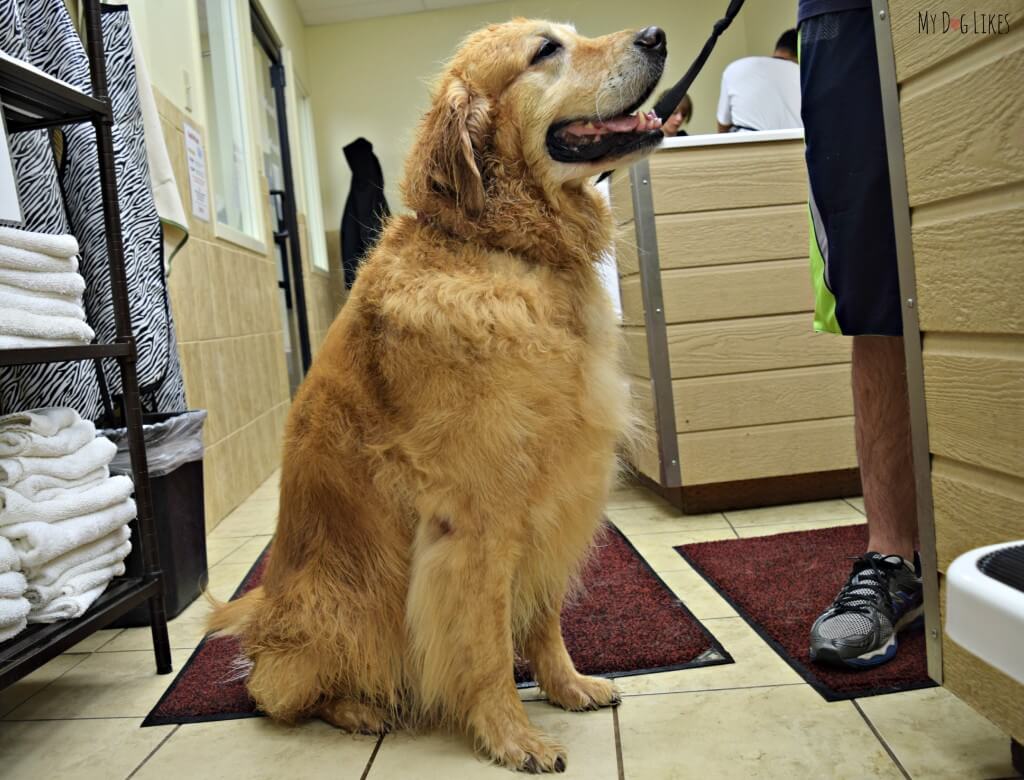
[41, 32]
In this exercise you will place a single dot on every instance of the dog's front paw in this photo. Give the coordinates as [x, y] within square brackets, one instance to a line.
[354, 717]
[528, 750]
[584, 693]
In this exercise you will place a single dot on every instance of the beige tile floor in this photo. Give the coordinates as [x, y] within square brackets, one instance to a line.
[78, 717]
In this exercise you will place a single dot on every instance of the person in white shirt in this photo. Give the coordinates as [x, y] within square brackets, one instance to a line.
[762, 93]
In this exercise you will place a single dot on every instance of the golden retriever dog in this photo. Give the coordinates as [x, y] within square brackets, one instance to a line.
[448, 458]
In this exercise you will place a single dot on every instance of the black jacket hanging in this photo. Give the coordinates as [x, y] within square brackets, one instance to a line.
[365, 209]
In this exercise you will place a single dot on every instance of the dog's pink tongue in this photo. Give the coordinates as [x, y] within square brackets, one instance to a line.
[622, 124]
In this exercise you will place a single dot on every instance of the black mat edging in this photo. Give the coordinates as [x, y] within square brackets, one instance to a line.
[163, 720]
[153, 719]
[827, 693]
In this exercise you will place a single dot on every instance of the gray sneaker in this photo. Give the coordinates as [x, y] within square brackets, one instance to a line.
[880, 599]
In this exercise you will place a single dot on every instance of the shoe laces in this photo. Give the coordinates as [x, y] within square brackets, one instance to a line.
[867, 586]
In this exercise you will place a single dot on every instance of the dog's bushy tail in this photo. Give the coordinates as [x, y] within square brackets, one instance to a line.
[232, 618]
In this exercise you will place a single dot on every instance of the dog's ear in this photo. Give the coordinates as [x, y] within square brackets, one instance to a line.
[453, 136]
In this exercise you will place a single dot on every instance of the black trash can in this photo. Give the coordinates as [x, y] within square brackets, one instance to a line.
[174, 453]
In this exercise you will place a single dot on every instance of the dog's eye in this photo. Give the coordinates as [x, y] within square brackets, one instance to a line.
[546, 50]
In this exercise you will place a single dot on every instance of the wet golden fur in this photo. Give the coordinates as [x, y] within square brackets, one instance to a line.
[449, 455]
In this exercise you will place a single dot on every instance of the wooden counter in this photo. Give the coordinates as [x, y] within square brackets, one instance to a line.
[744, 404]
[962, 248]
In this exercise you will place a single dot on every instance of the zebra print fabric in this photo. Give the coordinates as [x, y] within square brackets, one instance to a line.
[54, 46]
[59, 384]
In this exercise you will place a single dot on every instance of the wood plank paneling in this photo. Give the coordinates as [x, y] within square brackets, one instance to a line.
[626, 256]
[767, 451]
[946, 159]
[620, 197]
[917, 50]
[631, 298]
[763, 398]
[727, 292]
[995, 695]
[754, 344]
[974, 508]
[976, 404]
[735, 236]
[758, 174]
[635, 352]
[969, 271]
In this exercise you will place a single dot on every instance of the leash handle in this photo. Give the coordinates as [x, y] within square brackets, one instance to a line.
[671, 99]
[663, 108]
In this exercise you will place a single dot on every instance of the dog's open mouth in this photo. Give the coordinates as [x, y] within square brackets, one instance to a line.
[591, 140]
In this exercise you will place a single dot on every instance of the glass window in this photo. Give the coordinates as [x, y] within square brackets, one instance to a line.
[311, 185]
[234, 194]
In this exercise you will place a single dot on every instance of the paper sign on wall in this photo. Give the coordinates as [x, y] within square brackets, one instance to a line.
[10, 207]
[196, 157]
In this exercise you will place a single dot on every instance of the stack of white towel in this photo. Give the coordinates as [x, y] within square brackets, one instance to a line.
[40, 291]
[63, 518]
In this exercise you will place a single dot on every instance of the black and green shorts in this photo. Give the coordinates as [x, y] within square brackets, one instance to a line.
[853, 247]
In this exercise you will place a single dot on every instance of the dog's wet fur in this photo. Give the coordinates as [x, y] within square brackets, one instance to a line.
[448, 457]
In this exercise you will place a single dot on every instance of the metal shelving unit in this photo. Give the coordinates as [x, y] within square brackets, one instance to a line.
[32, 100]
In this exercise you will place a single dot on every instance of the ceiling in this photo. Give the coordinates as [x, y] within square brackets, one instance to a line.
[330, 11]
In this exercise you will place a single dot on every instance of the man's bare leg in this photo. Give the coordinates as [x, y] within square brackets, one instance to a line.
[882, 410]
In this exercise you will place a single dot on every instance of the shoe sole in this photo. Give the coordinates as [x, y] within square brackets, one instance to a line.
[879, 655]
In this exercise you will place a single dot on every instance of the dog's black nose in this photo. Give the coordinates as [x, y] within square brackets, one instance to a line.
[652, 38]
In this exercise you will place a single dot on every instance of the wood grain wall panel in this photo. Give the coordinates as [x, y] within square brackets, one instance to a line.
[919, 47]
[759, 174]
[763, 398]
[632, 300]
[767, 451]
[995, 695]
[635, 352]
[947, 159]
[753, 344]
[742, 235]
[620, 196]
[976, 405]
[733, 291]
[974, 508]
[626, 255]
[969, 271]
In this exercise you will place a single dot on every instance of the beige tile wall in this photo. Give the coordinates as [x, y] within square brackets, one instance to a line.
[224, 300]
[325, 290]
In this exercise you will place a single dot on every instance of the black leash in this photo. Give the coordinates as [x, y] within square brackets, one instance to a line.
[663, 108]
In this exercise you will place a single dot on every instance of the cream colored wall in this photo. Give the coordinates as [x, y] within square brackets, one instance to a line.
[370, 77]
[764, 21]
[230, 337]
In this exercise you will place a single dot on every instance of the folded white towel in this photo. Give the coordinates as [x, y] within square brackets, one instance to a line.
[43, 487]
[18, 259]
[38, 543]
[12, 630]
[67, 607]
[64, 442]
[96, 454]
[29, 342]
[45, 422]
[13, 610]
[38, 326]
[9, 558]
[37, 303]
[78, 583]
[15, 508]
[49, 572]
[54, 244]
[12, 585]
[68, 283]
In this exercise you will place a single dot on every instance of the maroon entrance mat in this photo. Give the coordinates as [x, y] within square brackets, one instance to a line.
[781, 583]
[626, 621]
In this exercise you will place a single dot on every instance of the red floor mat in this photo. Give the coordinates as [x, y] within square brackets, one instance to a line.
[625, 622]
[780, 584]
